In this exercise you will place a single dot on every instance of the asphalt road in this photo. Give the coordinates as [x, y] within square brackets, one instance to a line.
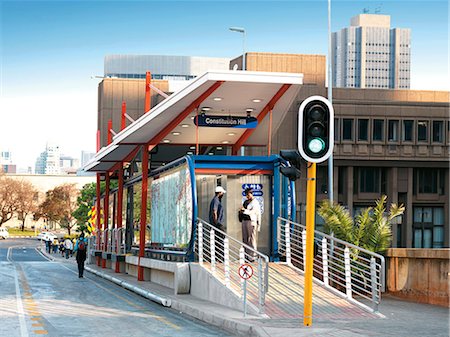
[40, 297]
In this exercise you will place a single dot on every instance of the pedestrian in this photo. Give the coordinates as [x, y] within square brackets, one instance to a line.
[55, 245]
[80, 250]
[49, 247]
[68, 247]
[251, 223]
[216, 214]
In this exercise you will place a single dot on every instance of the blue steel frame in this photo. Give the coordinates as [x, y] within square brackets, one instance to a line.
[256, 163]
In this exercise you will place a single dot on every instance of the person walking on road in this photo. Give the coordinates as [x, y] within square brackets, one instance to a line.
[68, 247]
[80, 249]
[251, 223]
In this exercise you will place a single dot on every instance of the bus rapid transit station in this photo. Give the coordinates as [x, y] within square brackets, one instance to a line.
[154, 223]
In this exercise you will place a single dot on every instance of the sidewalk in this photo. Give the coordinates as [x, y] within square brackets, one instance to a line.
[402, 318]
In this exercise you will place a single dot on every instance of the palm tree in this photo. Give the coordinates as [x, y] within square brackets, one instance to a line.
[371, 229]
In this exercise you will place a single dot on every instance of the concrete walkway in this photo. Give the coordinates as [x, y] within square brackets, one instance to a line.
[402, 318]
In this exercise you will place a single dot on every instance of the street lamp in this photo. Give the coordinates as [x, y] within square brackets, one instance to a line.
[242, 31]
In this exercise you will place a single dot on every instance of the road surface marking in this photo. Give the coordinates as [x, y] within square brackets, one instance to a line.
[159, 318]
[23, 325]
[40, 332]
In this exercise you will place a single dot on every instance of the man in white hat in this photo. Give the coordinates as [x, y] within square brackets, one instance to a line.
[216, 217]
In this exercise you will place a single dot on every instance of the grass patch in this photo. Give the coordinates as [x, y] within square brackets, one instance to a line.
[17, 231]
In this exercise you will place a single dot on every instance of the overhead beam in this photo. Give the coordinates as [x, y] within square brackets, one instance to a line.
[185, 113]
[269, 106]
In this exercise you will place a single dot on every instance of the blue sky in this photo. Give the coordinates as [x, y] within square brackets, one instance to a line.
[50, 50]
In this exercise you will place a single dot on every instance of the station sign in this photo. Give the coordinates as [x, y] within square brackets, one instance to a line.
[252, 186]
[256, 193]
[237, 122]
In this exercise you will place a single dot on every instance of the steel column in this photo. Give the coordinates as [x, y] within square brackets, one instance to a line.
[143, 223]
[148, 79]
[106, 216]
[98, 214]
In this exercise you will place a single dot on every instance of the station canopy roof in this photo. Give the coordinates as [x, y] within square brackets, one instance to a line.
[221, 93]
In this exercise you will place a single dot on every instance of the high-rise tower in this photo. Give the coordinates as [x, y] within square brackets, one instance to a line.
[371, 54]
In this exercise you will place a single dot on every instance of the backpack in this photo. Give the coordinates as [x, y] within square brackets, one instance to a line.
[81, 245]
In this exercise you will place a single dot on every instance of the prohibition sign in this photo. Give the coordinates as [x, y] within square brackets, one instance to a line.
[245, 271]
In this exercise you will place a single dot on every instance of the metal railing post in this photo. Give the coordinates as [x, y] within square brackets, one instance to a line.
[348, 276]
[226, 253]
[325, 261]
[304, 248]
[200, 243]
[260, 286]
[287, 236]
[241, 259]
[373, 279]
[212, 244]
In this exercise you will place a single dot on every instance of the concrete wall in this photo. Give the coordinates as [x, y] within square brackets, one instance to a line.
[420, 275]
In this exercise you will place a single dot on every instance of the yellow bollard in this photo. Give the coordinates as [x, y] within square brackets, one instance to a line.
[310, 220]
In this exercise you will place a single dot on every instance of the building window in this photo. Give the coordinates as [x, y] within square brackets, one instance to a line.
[438, 131]
[372, 180]
[393, 131]
[429, 181]
[408, 130]
[336, 127]
[363, 132]
[378, 128]
[347, 129]
[428, 227]
[422, 131]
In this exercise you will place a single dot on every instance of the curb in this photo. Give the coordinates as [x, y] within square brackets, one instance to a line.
[144, 293]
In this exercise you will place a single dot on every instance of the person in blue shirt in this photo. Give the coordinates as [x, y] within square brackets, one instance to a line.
[81, 249]
[216, 216]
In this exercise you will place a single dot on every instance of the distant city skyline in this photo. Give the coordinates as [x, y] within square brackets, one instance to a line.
[50, 50]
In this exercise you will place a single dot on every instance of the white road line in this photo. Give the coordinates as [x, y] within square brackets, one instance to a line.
[23, 325]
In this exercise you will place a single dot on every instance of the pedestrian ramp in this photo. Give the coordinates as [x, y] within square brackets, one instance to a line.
[276, 288]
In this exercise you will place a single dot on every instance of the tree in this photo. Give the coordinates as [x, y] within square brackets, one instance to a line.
[59, 205]
[371, 229]
[9, 198]
[27, 200]
[85, 201]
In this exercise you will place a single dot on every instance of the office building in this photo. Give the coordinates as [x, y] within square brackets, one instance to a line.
[371, 54]
[6, 163]
[162, 67]
[48, 161]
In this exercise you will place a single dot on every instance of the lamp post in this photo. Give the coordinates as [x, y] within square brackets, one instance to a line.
[330, 98]
[242, 31]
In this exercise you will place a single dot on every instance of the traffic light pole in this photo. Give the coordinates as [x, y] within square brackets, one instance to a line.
[310, 220]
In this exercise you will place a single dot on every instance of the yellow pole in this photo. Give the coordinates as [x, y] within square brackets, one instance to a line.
[310, 218]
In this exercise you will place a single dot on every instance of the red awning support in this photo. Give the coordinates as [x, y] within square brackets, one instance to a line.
[98, 214]
[143, 223]
[269, 107]
[148, 81]
[184, 114]
[105, 217]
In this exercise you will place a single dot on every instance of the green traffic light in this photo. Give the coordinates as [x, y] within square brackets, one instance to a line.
[316, 145]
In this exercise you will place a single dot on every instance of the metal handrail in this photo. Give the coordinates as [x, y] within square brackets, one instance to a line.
[336, 265]
[219, 249]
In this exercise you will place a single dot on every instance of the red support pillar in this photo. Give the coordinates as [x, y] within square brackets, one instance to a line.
[143, 223]
[123, 120]
[106, 216]
[148, 81]
[98, 140]
[119, 212]
[109, 131]
[98, 214]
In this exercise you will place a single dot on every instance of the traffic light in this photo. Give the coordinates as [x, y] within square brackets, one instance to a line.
[315, 129]
[294, 159]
